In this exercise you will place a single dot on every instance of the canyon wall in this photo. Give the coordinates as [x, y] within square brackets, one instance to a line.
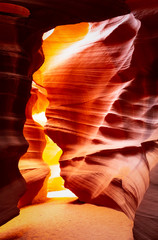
[103, 97]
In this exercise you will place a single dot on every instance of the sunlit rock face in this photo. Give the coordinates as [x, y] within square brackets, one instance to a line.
[32, 167]
[102, 94]
[22, 26]
[102, 107]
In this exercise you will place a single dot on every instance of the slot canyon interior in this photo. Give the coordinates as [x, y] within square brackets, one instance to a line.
[79, 119]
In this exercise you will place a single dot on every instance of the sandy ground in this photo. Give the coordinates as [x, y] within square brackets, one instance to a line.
[67, 219]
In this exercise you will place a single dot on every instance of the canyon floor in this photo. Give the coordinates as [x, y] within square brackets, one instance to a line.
[67, 219]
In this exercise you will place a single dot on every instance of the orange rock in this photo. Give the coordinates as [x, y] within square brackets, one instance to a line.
[34, 170]
[98, 114]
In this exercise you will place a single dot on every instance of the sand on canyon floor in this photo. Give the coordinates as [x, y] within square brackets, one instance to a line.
[67, 219]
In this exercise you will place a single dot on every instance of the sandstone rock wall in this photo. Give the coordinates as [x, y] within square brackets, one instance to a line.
[102, 94]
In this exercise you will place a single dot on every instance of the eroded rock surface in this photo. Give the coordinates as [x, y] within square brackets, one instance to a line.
[103, 104]
[17, 54]
[22, 26]
[32, 167]
[102, 94]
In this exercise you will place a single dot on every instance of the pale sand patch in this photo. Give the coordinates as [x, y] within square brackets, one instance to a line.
[66, 219]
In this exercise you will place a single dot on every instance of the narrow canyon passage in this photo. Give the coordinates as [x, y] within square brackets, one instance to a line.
[98, 89]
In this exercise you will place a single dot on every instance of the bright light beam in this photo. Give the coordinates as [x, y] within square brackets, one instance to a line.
[61, 194]
[47, 34]
[40, 118]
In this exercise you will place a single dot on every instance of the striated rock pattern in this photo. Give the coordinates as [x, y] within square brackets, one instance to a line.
[22, 25]
[102, 94]
[146, 219]
[102, 107]
[14, 93]
[32, 167]
[17, 55]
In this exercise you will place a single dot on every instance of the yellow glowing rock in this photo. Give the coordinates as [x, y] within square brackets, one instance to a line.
[61, 38]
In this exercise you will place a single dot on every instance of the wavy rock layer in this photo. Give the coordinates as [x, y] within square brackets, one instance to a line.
[31, 165]
[103, 100]
[13, 98]
[17, 54]
[146, 219]
[22, 27]
[102, 107]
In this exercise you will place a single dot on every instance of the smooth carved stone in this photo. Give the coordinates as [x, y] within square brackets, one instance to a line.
[17, 51]
[14, 93]
[32, 167]
[53, 44]
[102, 107]
[105, 116]
[22, 27]
[146, 219]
